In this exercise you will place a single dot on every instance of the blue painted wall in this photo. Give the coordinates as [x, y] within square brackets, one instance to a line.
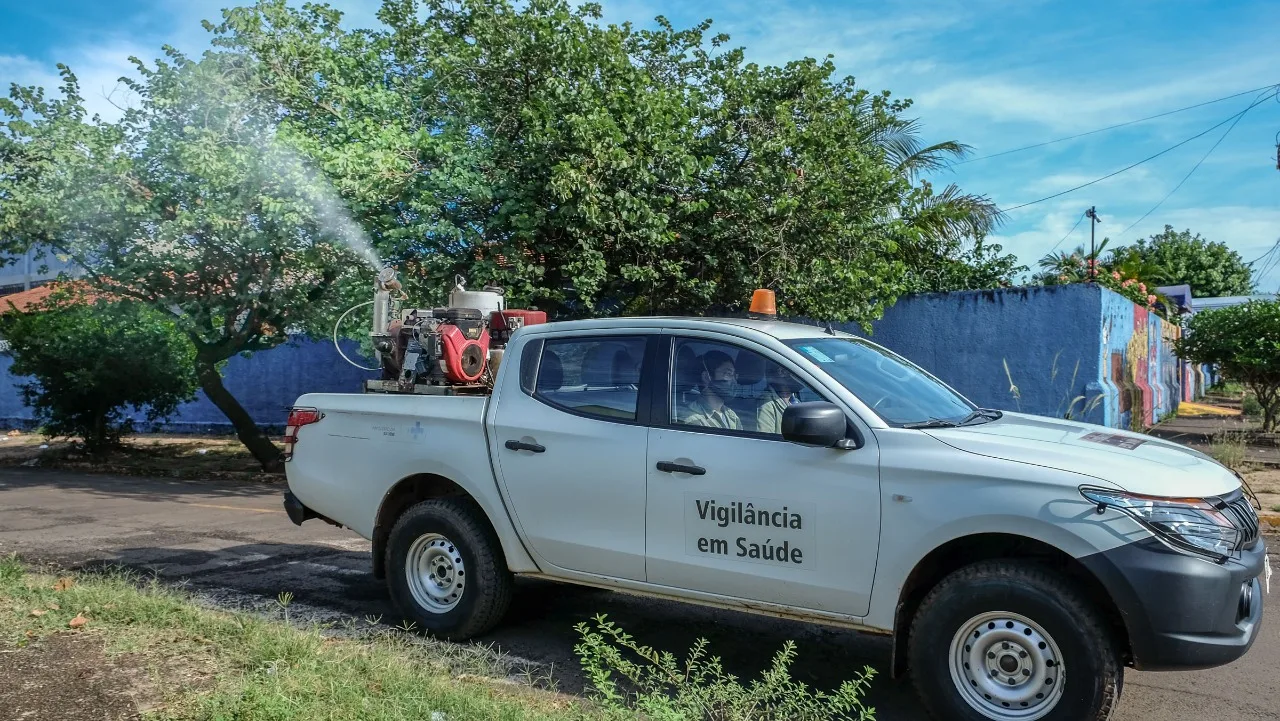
[265, 383]
[1074, 350]
[1041, 341]
[12, 413]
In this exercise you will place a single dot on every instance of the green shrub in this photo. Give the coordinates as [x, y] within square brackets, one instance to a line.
[627, 676]
[1251, 407]
[1226, 388]
[91, 360]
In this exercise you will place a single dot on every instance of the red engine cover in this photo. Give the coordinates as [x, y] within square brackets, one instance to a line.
[464, 358]
[512, 319]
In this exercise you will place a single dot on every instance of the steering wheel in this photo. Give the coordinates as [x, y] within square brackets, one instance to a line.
[882, 399]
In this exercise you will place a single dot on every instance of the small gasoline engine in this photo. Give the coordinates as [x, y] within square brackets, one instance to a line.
[442, 350]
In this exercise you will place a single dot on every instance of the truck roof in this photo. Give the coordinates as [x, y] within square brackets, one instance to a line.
[777, 329]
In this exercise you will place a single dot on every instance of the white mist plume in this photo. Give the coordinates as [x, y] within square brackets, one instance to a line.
[299, 176]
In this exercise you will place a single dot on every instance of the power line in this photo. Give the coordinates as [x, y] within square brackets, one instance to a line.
[1069, 232]
[1257, 101]
[1134, 165]
[1270, 265]
[1272, 249]
[1112, 127]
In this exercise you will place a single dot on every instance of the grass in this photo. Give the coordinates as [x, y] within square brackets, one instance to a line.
[220, 666]
[250, 667]
[1228, 448]
[1276, 507]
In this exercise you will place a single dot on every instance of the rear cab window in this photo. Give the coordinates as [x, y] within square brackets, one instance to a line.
[593, 376]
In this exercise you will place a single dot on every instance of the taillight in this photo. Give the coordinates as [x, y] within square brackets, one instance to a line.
[298, 417]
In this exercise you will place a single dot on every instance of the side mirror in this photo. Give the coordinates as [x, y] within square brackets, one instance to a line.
[816, 423]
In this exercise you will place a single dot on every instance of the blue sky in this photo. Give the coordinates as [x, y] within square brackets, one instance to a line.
[993, 74]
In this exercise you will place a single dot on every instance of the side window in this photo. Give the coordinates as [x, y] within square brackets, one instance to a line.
[597, 377]
[717, 385]
[529, 364]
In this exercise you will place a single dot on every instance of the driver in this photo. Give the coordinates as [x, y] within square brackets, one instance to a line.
[781, 393]
[719, 383]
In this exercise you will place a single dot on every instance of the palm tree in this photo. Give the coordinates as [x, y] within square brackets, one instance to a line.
[1072, 267]
[950, 215]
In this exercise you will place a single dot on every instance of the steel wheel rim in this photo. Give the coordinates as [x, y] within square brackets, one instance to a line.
[435, 572]
[1007, 667]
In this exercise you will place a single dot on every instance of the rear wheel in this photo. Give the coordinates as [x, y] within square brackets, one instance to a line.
[1012, 641]
[445, 569]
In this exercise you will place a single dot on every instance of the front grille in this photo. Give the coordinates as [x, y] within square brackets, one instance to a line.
[1240, 512]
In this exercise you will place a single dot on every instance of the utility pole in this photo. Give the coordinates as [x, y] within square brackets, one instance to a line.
[1092, 215]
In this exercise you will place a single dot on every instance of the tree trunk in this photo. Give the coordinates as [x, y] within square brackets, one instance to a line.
[1269, 398]
[247, 431]
[99, 444]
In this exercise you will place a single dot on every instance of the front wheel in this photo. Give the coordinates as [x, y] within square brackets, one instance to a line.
[1012, 641]
[445, 569]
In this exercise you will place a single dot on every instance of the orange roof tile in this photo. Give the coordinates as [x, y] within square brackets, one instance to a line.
[30, 299]
[23, 300]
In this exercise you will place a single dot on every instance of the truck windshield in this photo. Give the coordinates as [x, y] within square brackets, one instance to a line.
[892, 386]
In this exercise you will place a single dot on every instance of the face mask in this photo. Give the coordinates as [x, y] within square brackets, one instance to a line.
[724, 389]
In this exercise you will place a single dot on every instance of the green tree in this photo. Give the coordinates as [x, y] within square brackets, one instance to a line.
[961, 265]
[594, 168]
[1243, 341]
[1211, 269]
[90, 362]
[190, 205]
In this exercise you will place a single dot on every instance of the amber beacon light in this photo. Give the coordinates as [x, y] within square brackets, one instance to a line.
[764, 304]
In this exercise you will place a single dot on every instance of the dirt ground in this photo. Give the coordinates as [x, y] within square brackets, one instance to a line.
[157, 456]
[68, 677]
[1265, 482]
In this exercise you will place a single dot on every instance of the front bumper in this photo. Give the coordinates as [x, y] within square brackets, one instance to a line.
[1183, 612]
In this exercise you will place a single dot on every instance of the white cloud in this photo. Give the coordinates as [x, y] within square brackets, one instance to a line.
[1137, 185]
[1072, 104]
[25, 71]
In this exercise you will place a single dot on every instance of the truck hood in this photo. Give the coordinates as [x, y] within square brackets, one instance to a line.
[1131, 461]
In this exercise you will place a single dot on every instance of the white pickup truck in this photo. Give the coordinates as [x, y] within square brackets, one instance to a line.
[1019, 562]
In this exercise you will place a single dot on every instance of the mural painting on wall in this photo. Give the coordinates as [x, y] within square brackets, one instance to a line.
[1137, 370]
[1170, 367]
[1148, 378]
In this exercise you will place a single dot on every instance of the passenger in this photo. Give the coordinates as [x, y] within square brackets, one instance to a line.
[780, 394]
[719, 383]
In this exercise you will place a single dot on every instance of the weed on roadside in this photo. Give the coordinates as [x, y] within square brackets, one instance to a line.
[1228, 448]
[656, 685]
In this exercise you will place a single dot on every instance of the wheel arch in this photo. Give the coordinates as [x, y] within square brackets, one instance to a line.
[419, 487]
[965, 550]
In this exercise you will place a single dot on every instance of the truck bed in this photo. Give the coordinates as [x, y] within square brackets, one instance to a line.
[344, 465]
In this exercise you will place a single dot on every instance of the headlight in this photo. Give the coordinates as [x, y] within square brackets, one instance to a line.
[1189, 524]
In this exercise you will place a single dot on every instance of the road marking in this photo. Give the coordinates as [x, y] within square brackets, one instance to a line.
[234, 508]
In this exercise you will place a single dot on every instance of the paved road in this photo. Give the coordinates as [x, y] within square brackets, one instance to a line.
[234, 544]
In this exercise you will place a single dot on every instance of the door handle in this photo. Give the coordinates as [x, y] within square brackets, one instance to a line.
[669, 467]
[522, 446]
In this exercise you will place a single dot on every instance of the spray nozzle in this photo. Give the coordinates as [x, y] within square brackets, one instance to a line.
[387, 279]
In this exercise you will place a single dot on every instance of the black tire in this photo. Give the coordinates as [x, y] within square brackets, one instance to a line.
[486, 593]
[1090, 669]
